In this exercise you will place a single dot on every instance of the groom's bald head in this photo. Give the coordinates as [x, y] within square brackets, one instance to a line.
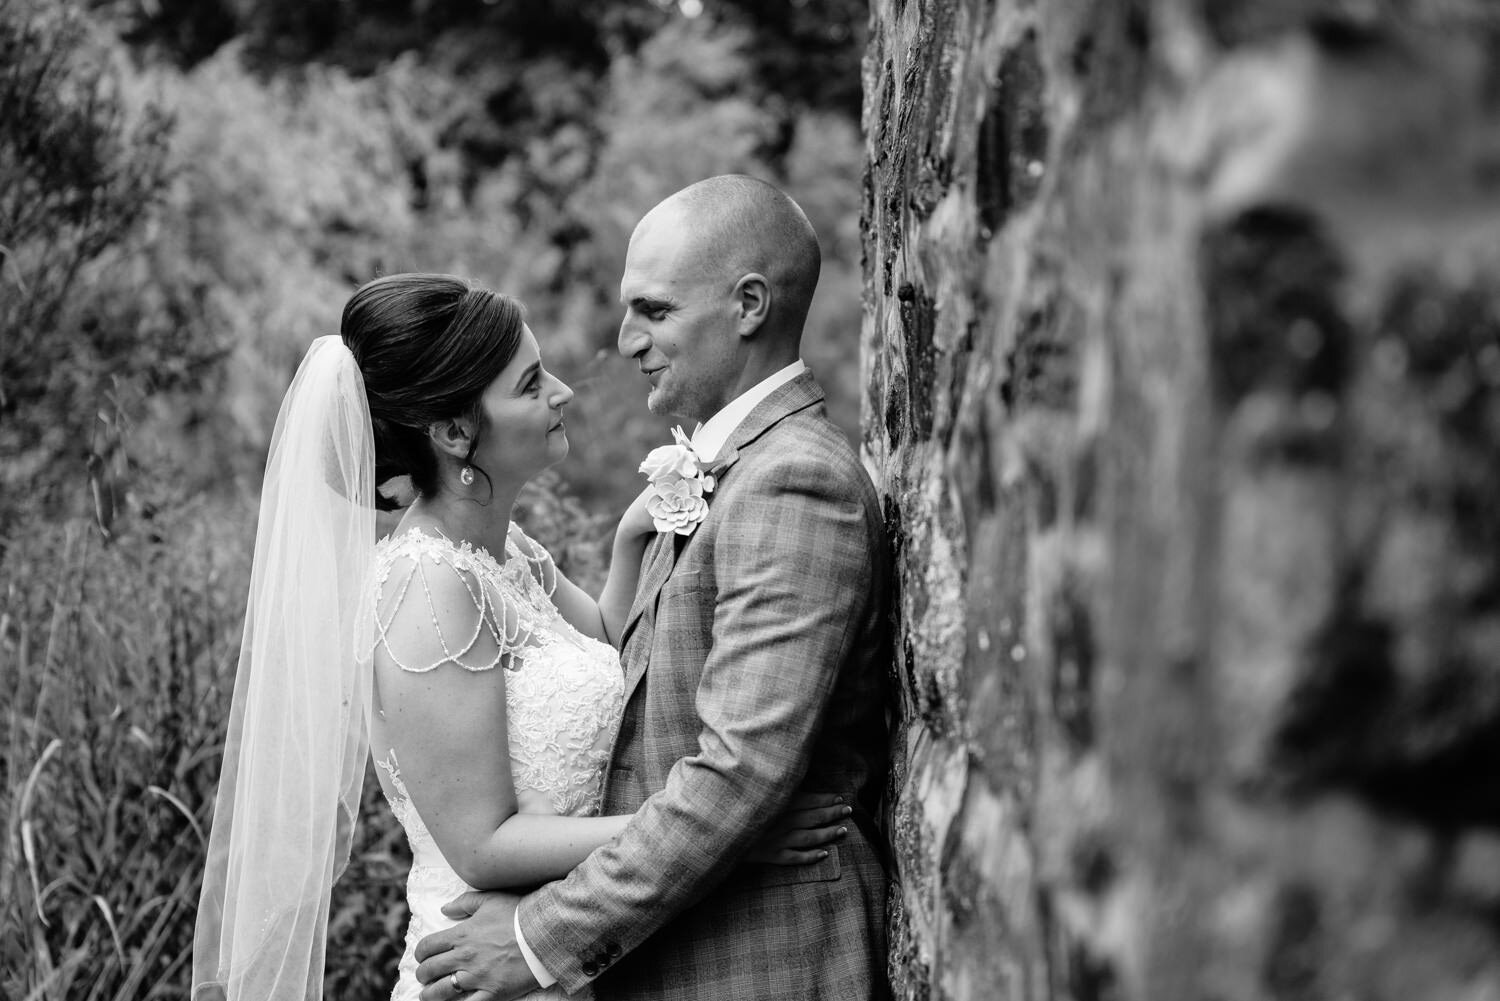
[737, 225]
[716, 287]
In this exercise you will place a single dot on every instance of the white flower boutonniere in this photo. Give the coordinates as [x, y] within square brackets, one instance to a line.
[680, 484]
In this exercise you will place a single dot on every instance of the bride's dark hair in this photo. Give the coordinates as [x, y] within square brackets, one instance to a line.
[428, 346]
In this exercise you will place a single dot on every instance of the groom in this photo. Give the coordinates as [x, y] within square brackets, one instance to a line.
[755, 660]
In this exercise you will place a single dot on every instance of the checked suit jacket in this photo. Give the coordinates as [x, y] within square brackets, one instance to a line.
[755, 658]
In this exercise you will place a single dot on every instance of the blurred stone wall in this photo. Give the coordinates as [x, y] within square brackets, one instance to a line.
[1182, 354]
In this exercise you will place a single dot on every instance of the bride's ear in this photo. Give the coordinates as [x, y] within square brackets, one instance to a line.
[453, 437]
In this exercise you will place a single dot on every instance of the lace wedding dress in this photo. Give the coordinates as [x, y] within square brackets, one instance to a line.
[563, 696]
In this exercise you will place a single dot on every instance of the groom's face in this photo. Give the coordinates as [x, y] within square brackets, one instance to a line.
[680, 318]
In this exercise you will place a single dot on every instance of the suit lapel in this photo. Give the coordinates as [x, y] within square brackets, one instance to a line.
[799, 394]
[661, 552]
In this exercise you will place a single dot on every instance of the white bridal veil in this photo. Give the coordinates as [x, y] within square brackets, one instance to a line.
[294, 758]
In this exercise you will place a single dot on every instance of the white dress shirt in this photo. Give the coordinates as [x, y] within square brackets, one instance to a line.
[543, 978]
[708, 439]
[711, 435]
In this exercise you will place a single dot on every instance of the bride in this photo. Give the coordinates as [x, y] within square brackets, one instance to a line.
[480, 679]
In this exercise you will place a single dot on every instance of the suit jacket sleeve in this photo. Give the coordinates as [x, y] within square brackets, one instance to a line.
[792, 557]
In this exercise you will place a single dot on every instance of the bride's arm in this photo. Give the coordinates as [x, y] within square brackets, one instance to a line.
[441, 679]
[604, 619]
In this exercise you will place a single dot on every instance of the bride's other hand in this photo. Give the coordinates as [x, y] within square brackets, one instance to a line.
[635, 531]
[636, 521]
[802, 835]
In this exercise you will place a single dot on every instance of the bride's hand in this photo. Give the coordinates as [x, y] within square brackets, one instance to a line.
[802, 834]
[636, 520]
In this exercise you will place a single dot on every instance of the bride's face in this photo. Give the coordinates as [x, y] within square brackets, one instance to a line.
[523, 409]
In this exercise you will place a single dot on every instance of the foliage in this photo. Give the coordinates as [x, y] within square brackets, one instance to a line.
[809, 52]
[365, 35]
[408, 169]
[78, 170]
[119, 661]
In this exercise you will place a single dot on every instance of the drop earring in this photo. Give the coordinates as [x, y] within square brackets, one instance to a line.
[466, 476]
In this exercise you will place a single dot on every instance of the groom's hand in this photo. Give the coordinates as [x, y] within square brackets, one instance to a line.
[481, 949]
[804, 834]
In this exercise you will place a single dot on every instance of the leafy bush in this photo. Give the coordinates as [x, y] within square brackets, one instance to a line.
[78, 170]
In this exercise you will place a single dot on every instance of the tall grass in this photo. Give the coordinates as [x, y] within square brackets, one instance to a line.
[116, 664]
[116, 667]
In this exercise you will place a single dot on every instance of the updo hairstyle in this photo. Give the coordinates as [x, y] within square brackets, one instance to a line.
[428, 347]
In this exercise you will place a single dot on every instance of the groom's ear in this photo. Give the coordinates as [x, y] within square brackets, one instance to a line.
[452, 437]
[752, 295]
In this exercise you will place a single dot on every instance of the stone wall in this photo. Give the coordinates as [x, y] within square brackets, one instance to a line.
[1182, 347]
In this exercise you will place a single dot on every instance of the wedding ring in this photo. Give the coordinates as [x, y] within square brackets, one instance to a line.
[453, 979]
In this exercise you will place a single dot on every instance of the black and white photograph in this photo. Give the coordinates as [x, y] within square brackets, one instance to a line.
[750, 500]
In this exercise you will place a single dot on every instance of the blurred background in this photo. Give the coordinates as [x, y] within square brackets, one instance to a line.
[189, 191]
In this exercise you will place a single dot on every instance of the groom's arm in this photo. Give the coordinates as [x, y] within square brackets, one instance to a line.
[793, 560]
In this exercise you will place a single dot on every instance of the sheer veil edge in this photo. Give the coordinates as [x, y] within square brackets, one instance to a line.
[298, 732]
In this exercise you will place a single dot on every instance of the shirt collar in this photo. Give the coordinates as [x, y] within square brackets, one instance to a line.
[711, 435]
